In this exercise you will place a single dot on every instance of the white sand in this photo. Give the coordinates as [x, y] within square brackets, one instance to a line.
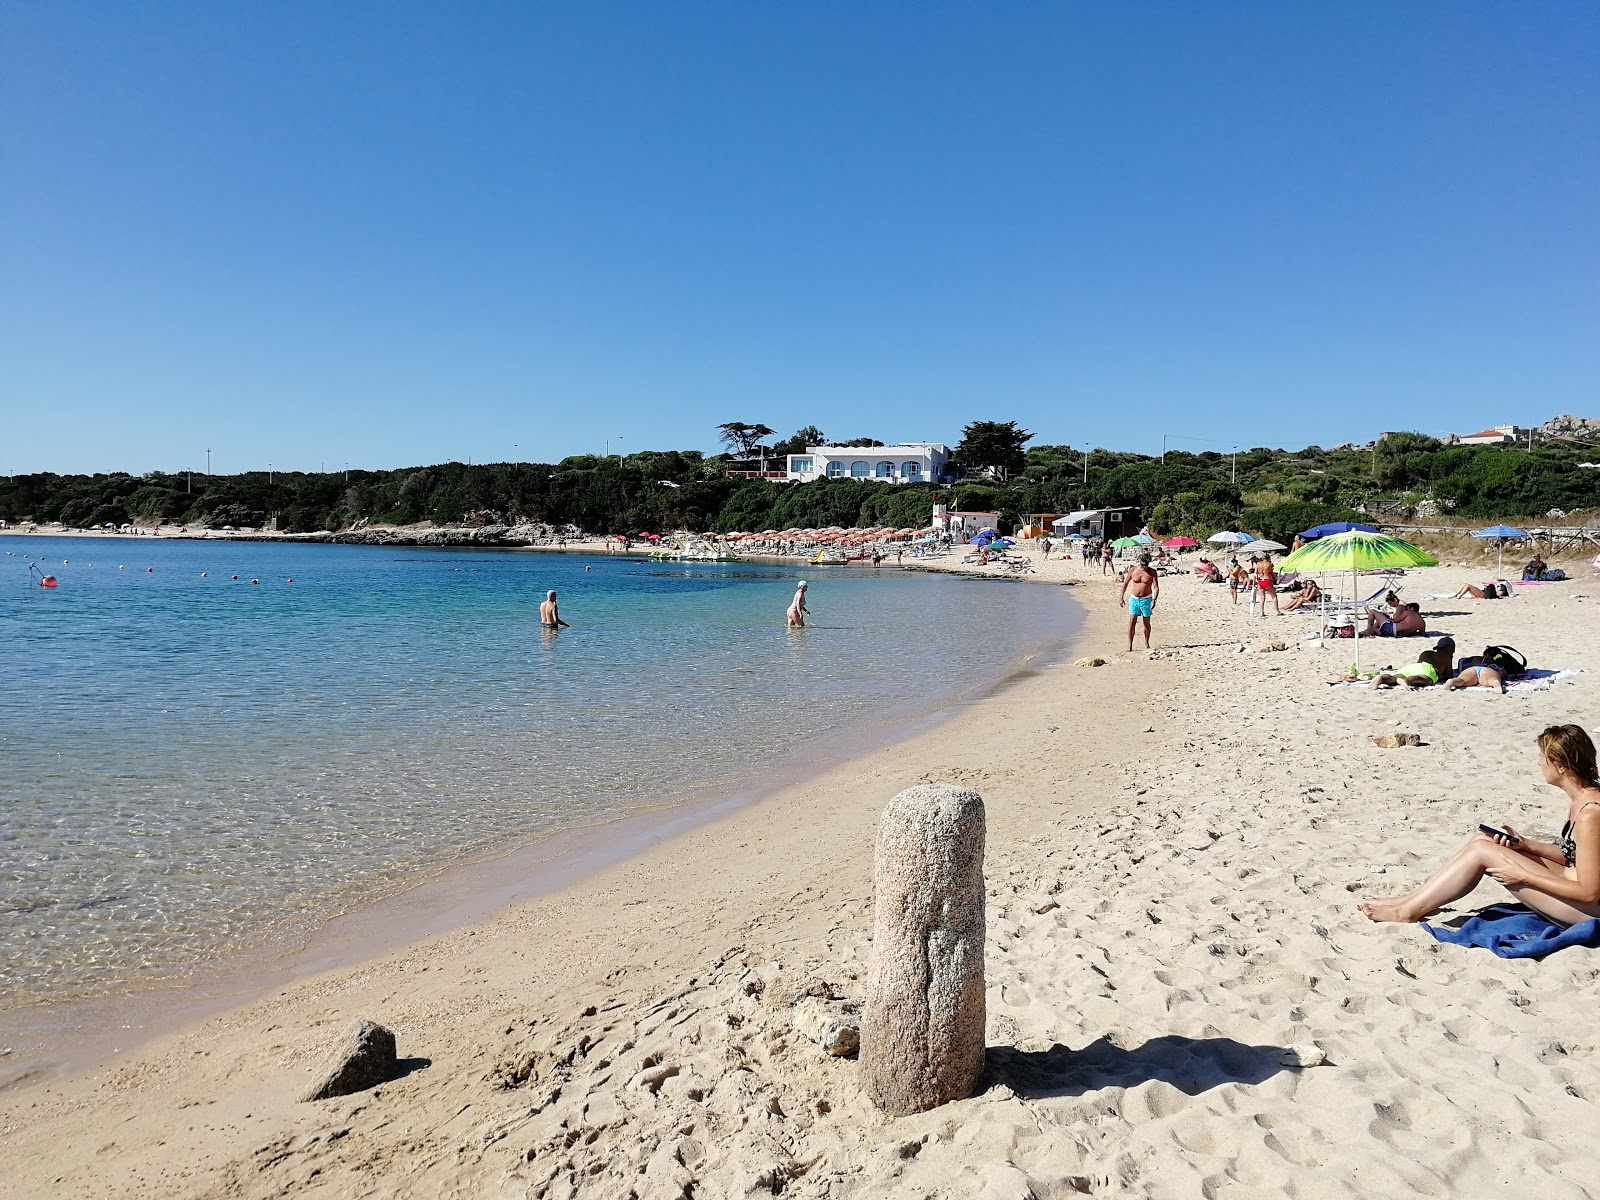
[1176, 848]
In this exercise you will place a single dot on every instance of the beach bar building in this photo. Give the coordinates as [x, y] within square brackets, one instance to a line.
[1106, 524]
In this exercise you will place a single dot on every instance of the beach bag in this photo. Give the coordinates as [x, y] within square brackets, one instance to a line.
[1339, 631]
[1504, 659]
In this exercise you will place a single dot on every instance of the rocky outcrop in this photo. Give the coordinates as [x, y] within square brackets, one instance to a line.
[1567, 425]
[478, 535]
[922, 1031]
[364, 1060]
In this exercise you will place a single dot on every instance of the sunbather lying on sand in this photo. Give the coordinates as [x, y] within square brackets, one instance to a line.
[1560, 879]
[1407, 620]
[1475, 672]
[1431, 667]
[1492, 590]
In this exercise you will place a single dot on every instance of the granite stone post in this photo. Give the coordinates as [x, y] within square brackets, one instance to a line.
[922, 1029]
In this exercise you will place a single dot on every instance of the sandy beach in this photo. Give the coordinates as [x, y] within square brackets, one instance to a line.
[1177, 843]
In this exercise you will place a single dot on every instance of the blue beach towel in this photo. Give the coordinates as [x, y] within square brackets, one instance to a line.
[1513, 931]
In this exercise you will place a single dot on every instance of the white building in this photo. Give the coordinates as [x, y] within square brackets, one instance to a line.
[912, 462]
[1490, 437]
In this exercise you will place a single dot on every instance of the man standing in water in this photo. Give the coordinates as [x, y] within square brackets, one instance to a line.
[550, 615]
[1140, 589]
[797, 607]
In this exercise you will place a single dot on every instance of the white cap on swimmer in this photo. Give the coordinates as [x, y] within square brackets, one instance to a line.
[549, 595]
[803, 583]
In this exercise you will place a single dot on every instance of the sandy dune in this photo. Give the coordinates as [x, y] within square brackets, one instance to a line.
[1176, 848]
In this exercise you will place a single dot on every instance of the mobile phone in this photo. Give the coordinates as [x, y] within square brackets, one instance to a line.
[1510, 838]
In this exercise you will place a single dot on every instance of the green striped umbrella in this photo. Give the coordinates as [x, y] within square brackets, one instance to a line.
[1357, 551]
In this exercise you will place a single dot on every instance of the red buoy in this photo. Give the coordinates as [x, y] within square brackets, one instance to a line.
[48, 581]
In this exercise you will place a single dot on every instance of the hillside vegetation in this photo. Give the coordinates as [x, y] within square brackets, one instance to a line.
[1273, 493]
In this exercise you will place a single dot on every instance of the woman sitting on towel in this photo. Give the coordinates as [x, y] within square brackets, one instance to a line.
[1560, 879]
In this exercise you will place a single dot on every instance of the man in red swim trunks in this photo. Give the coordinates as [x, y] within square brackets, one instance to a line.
[1267, 582]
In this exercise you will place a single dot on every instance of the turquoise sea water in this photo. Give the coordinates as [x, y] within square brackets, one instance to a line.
[195, 763]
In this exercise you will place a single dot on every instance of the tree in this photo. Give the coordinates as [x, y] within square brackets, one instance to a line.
[743, 439]
[995, 445]
[799, 441]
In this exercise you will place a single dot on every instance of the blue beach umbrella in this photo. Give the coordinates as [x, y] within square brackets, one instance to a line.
[1501, 534]
[1332, 527]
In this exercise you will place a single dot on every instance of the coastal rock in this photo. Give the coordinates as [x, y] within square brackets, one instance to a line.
[1310, 1055]
[1271, 647]
[364, 1060]
[1089, 662]
[834, 1025]
[922, 1031]
[1393, 741]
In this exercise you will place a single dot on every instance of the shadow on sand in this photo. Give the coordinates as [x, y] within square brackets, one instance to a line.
[1192, 1065]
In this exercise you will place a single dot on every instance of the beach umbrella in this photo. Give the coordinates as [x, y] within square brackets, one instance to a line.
[1356, 551]
[1180, 541]
[1127, 543]
[1333, 527]
[1262, 546]
[1144, 539]
[1501, 534]
[1227, 536]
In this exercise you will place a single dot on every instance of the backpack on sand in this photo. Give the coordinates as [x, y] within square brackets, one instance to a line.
[1504, 659]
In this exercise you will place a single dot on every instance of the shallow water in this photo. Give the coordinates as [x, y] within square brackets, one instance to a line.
[197, 764]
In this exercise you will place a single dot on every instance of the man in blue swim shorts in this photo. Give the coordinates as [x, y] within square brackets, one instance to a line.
[1141, 587]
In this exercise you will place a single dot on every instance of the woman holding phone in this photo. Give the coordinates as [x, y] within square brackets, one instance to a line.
[1560, 879]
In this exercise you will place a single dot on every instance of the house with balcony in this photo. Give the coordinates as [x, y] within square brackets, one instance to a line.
[909, 462]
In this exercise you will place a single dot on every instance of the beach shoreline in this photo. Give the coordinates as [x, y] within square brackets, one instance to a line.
[58, 1039]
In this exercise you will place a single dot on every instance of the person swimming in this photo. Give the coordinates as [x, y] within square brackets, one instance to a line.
[550, 614]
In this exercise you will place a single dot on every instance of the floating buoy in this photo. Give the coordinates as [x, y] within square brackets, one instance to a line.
[288, 581]
[203, 574]
[151, 570]
[48, 581]
[256, 581]
[120, 567]
[233, 577]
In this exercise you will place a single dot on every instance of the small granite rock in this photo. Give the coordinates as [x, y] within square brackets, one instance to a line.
[1393, 741]
[834, 1025]
[1310, 1055]
[1090, 662]
[1271, 647]
[364, 1060]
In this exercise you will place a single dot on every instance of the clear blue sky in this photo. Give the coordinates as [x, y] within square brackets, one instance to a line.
[400, 233]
